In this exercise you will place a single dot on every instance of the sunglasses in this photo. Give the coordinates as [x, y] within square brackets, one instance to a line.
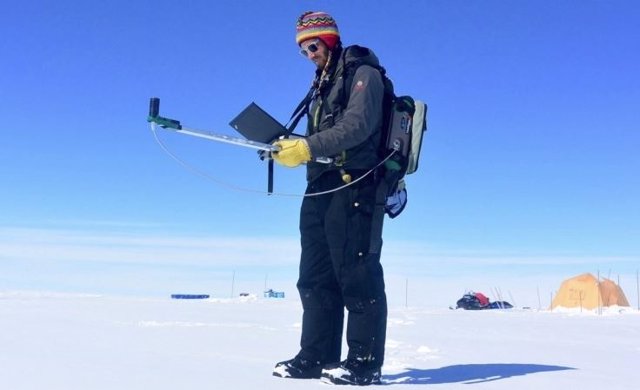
[310, 48]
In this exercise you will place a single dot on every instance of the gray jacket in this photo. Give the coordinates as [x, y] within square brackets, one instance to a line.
[348, 130]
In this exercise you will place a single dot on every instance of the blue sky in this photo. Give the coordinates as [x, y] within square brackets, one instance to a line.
[530, 164]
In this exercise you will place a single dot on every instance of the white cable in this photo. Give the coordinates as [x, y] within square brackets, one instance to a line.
[195, 170]
[206, 175]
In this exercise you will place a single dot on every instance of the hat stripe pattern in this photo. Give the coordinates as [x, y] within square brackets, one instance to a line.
[315, 24]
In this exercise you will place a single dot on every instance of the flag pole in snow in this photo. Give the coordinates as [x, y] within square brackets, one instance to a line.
[599, 292]
[233, 282]
[512, 300]
[638, 288]
[406, 293]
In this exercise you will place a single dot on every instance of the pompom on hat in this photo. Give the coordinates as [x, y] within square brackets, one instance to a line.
[320, 25]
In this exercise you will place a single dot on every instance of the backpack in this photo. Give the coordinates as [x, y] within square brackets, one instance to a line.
[404, 122]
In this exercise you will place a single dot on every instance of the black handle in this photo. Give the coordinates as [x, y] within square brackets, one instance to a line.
[154, 107]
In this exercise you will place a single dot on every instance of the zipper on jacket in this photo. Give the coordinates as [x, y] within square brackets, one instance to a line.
[316, 117]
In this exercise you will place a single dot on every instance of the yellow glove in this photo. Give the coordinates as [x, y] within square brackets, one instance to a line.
[291, 152]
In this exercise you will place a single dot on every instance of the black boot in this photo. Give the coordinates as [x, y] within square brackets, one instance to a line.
[352, 372]
[298, 368]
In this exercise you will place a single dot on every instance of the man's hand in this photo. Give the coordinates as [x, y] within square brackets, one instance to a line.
[291, 152]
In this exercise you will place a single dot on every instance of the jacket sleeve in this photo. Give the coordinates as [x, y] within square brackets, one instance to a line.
[361, 118]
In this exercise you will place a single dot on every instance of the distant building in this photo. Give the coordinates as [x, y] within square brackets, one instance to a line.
[189, 296]
[273, 294]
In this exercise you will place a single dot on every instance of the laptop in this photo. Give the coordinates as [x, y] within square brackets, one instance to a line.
[256, 125]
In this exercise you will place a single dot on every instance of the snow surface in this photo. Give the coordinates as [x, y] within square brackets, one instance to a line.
[57, 341]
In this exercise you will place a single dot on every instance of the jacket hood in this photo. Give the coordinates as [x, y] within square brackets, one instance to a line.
[358, 53]
[351, 56]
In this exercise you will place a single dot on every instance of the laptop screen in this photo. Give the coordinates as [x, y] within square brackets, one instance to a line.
[256, 125]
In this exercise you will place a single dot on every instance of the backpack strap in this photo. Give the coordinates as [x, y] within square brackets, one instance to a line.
[301, 110]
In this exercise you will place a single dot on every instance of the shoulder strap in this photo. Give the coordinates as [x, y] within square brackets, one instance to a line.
[303, 108]
[299, 112]
[348, 71]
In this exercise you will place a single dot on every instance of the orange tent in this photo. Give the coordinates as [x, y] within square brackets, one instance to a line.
[584, 291]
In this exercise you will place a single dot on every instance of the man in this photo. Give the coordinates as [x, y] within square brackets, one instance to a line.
[341, 231]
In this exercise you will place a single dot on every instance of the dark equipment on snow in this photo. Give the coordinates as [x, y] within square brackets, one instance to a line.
[500, 305]
[470, 301]
[478, 301]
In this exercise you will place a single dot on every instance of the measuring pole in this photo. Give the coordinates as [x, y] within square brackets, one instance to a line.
[175, 125]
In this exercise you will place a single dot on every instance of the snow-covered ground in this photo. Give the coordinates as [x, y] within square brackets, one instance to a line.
[56, 341]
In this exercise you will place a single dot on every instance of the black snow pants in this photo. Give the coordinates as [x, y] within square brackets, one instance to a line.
[341, 237]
